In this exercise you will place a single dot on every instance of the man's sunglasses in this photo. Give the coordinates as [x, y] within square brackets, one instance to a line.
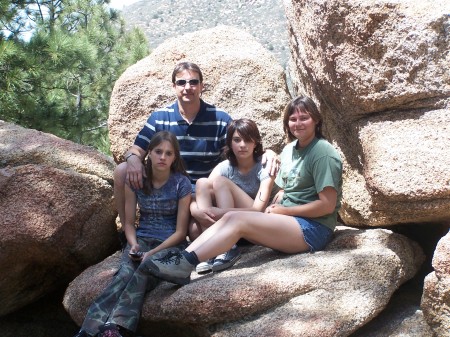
[182, 83]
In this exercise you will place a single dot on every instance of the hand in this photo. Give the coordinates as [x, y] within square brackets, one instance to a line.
[135, 172]
[271, 161]
[275, 209]
[146, 255]
[278, 197]
[135, 249]
[204, 216]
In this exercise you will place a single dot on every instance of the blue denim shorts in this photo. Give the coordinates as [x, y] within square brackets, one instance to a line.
[316, 235]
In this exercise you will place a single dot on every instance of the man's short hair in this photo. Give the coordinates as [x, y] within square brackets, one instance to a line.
[187, 66]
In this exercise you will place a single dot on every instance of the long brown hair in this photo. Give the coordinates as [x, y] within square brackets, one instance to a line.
[306, 105]
[248, 130]
[177, 165]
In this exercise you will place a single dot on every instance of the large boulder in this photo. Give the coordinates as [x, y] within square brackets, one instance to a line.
[57, 214]
[328, 293]
[436, 293]
[240, 77]
[379, 70]
[21, 146]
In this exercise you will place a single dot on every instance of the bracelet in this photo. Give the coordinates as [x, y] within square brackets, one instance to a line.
[131, 154]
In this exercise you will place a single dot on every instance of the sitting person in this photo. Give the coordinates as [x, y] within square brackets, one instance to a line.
[304, 220]
[164, 217]
[238, 183]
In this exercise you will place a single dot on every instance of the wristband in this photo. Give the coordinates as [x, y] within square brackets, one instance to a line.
[131, 154]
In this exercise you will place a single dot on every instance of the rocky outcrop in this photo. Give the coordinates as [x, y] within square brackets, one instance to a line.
[21, 146]
[379, 70]
[436, 294]
[329, 293]
[402, 317]
[57, 215]
[240, 77]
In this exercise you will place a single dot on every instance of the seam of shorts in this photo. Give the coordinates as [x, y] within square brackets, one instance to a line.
[311, 248]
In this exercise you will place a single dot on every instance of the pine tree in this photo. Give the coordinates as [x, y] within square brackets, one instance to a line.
[60, 80]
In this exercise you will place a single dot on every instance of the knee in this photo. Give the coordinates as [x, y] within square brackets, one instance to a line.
[144, 268]
[202, 184]
[220, 183]
[120, 173]
[231, 218]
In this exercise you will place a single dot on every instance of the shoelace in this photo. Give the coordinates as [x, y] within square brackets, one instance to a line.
[170, 257]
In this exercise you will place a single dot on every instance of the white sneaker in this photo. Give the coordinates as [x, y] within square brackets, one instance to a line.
[205, 267]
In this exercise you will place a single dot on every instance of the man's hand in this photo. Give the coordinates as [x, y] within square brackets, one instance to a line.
[135, 172]
[271, 161]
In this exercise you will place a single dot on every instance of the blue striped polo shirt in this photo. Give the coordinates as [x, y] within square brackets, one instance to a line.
[201, 143]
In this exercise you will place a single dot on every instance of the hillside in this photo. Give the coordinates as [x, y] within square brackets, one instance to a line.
[162, 19]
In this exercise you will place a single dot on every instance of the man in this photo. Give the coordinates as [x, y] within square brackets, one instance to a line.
[200, 129]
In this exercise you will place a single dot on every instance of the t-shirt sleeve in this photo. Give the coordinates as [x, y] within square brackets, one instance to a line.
[223, 168]
[280, 179]
[327, 173]
[184, 187]
[145, 135]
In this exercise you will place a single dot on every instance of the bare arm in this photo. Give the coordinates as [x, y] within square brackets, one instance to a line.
[130, 218]
[324, 206]
[262, 197]
[135, 169]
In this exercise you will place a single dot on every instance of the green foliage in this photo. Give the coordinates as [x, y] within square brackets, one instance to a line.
[60, 80]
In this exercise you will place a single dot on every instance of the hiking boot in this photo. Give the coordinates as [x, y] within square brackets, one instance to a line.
[173, 267]
[226, 260]
[204, 267]
[82, 333]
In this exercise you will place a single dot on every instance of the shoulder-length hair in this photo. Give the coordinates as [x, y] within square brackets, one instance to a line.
[177, 165]
[248, 130]
[306, 105]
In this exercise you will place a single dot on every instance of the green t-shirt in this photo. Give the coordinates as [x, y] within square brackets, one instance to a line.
[307, 171]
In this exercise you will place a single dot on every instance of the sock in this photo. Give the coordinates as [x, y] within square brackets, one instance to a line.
[191, 257]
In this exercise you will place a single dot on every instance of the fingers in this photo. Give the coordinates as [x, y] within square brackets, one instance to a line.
[274, 166]
[135, 174]
[146, 255]
[135, 180]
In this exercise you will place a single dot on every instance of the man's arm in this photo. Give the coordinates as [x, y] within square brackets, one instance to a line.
[135, 167]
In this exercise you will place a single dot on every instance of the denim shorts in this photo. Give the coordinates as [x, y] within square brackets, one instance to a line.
[316, 235]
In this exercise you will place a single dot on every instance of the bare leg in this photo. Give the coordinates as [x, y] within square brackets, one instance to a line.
[194, 228]
[120, 174]
[275, 231]
[203, 193]
[229, 195]
[203, 200]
